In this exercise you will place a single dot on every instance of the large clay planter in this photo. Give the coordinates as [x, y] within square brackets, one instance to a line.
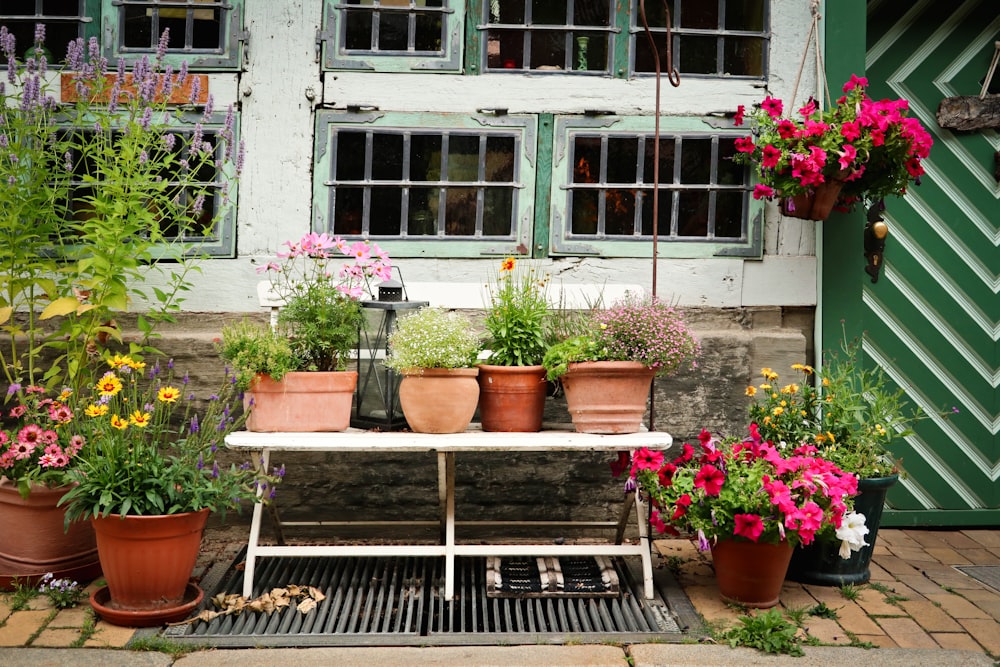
[302, 401]
[750, 573]
[35, 541]
[816, 205]
[820, 562]
[147, 560]
[439, 400]
[511, 398]
[607, 396]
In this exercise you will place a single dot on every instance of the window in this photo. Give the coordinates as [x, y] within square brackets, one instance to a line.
[393, 35]
[710, 37]
[64, 20]
[441, 182]
[571, 36]
[602, 189]
[216, 199]
[205, 33]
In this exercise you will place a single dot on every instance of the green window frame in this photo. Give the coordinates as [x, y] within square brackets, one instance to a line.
[393, 35]
[423, 184]
[207, 34]
[602, 184]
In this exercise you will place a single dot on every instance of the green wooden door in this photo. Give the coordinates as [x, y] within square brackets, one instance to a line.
[932, 321]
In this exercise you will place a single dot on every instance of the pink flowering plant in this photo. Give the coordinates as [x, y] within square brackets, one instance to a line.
[320, 280]
[746, 489]
[647, 330]
[37, 443]
[873, 147]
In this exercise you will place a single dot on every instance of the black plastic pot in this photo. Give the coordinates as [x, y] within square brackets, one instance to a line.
[820, 562]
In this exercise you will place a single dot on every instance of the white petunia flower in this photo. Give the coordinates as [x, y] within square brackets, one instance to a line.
[852, 533]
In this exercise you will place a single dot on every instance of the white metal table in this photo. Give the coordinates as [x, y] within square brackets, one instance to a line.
[447, 446]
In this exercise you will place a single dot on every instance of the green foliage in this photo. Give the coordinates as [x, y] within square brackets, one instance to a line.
[433, 338]
[150, 449]
[570, 351]
[62, 593]
[517, 316]
[321, 325]
[849, 592]
[22, 594]
[254, 349]
[765, 631]
[823, 611]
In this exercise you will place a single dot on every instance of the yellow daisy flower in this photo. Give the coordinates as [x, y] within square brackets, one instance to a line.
[168, 394]
[119, 423]
[109, 384]
[751, 391]
[140, 418]
[96, 410]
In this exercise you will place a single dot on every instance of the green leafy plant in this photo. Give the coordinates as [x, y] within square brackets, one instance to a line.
[321, 315]
[765, 631]
[648, 331]
[873, 147]
[821, 610]
[254, 349]
[153, 451]
[517, 315]
[61, 593]
[433, 338]
[785, 415]
[22, 594]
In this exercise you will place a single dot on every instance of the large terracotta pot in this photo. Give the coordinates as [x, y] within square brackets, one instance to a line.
[607, 396]
[302, 401]
[36, 542]
[750, 573]
[820, 562]
[511, 398]
[147, 560]
[816, 205]
[439, 400]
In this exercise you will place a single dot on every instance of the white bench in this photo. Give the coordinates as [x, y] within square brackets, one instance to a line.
[447, 447]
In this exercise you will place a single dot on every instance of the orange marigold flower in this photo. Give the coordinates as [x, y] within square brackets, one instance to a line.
[508, 264]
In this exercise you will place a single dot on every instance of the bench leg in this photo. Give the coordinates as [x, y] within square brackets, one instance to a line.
[252, 542]
[446, 493]
[641, 515]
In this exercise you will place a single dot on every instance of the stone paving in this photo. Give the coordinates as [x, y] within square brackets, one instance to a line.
[915, 600]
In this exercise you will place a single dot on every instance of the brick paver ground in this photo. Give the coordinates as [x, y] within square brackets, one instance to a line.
[915, 599]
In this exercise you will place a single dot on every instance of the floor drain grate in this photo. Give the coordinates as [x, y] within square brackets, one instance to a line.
[397, 601]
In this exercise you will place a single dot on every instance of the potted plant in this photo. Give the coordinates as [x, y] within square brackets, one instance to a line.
[435, 351]
[512, 385]
[746, 500]
[853, 419]
[147, 480]
[297, 375]
[37, 452]
[859, 149]
[606, 372]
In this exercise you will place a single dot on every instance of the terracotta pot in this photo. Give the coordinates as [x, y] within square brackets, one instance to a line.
[439, 400]
[36, 542]
[511, 398]
[302, 401]
[816, 205]
[750, 573]
[820, 562]
[607, 396]
[147, 560]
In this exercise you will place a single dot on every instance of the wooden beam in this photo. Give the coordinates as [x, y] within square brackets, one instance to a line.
[969, 112]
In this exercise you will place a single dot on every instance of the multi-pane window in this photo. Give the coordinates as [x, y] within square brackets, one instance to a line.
[205, 33]
[549, 35]
[452, 178]
[64, 21]
[603, 186]
[201, 196]
[710, 37]
[388, 35]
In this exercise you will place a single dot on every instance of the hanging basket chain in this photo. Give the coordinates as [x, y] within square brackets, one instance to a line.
[812, 38]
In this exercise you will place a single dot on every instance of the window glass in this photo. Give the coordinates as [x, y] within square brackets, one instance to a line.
[204, 33]
[64, 21]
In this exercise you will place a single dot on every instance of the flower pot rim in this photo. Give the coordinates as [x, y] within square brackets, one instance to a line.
[418, 371]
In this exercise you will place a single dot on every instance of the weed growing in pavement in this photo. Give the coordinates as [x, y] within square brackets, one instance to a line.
[162, 645]
[766, 631]
[21, 595]
[87, 630]
[822, 611]
[849, 592]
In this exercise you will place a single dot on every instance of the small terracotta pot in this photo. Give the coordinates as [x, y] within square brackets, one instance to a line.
[302, 401]
[439, 400]
[147, 560]
[750, 573]
[36, 542]
[512, 398]
[607, 396]
[816, 205]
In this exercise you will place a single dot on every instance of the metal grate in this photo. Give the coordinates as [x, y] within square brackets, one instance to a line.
[986, 574]
[397, 601]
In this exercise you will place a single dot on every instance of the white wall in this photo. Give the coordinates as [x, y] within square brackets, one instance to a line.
[283, 83]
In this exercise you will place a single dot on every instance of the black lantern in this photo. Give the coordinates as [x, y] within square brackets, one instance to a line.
[376, 400]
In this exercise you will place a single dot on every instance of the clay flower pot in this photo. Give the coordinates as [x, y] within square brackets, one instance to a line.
[439, 400]
[512, 398]
[607, 396]
[750, 573]
[302, 401]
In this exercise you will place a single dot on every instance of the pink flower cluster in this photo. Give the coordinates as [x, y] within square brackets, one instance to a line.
[743, 488]
[369, 261]
[39, 447]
